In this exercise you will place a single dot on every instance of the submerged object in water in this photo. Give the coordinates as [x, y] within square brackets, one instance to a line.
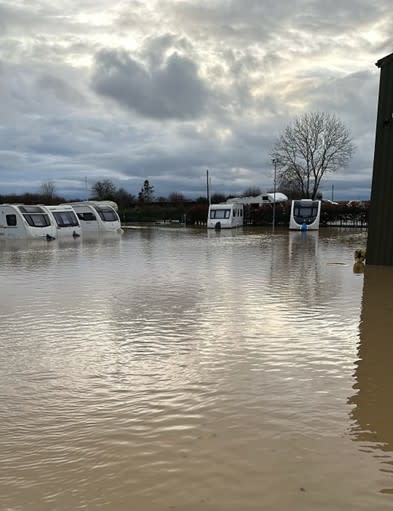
[360, 255]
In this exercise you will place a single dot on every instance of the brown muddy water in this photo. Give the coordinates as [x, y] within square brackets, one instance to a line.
[180, 369]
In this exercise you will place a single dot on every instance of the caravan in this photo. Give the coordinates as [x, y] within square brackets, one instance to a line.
[225, 216]
[97, 216]
[20, 221]
[260, 200]
[305, 215]
[65, 220]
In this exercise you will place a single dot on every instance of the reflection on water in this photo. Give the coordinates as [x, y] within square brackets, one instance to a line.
[186, 369]
[373, 403]
[359, 267]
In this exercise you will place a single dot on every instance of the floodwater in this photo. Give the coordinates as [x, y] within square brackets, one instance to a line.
[180, 369]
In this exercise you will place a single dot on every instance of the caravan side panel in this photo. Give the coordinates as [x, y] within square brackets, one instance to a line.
[97, 217]
[12, 226]
[20, 221]
[87, 217]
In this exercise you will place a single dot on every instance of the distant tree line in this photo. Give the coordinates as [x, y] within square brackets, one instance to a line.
[31, 198]
[175, 209]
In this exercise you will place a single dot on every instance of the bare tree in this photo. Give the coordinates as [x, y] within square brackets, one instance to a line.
[104, 190]
[48, 189]
[289, 187]
[314, 144]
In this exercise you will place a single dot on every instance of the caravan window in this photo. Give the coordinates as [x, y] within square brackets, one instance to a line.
[86, 217]
[65, 218]
[219, 214]
[37, 220]
[305, 212]
[35, 216]
[11, 220]
[107, 215]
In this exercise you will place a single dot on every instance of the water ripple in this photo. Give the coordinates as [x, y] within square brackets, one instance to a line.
[179, 369]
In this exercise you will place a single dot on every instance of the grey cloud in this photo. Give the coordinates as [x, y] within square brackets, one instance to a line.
[29, 19]
[353, 97]
[60, 89]
[227, 75]
[170, 91]
[49, 51]
[263, 19]
[43, 92]
[13, 17]
[337, 16]
[155, 49]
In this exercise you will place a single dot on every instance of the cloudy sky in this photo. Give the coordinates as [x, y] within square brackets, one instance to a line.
[163, 90]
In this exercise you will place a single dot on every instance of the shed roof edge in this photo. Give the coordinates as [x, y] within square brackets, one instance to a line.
[385, 60]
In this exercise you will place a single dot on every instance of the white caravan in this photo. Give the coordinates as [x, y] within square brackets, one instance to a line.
[97, 216]
[260, 200]
[65, 220]
[305, 215]
[225, 215]
[20, 221]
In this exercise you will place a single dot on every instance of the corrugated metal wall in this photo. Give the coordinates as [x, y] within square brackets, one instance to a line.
[380, 226]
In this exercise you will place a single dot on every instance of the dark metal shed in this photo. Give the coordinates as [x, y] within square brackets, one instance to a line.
[380, 226]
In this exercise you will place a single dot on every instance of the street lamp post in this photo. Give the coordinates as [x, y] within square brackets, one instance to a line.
[207, 187]
[274, 192]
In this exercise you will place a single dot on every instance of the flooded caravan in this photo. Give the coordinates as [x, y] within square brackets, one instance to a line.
[20, 221]
[225, 216]
[260, 200]
[305, 215]
[65, 221]
[97, 216]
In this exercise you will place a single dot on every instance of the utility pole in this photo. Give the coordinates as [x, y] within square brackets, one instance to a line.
[207, 187]
[274, 192]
